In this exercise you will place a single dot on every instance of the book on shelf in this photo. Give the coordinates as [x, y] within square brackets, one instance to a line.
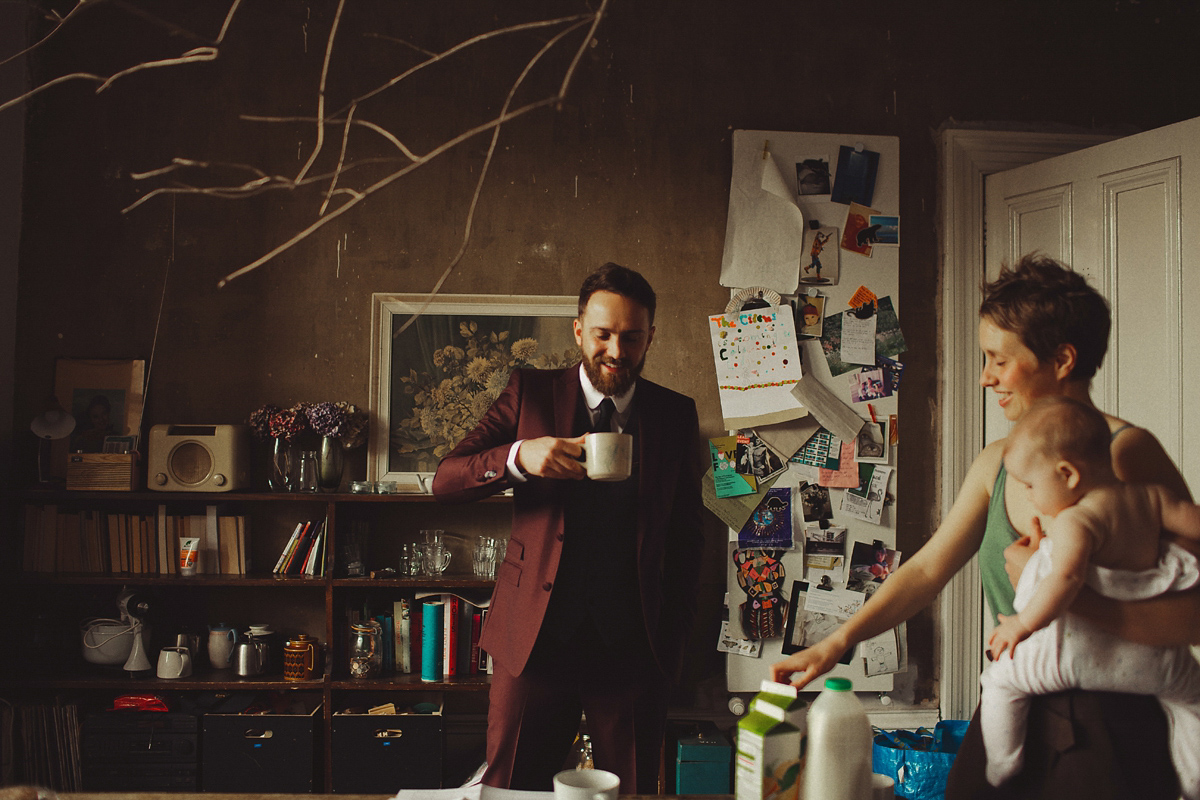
[402, 622]
[97, 542]
[388, 641]
[450, 626]
[287, 548]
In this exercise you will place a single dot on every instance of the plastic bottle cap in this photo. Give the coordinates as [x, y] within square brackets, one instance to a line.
[838, 684]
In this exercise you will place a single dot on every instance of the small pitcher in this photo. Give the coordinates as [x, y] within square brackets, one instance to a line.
[221, 639]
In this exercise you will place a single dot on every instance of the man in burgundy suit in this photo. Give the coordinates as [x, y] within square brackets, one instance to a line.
[595, 597]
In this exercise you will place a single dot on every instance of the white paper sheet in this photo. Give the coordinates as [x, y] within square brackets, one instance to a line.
[758, 362]
[858, 339]
[764, 232]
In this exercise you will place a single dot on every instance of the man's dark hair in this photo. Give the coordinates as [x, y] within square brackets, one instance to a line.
[618, 280]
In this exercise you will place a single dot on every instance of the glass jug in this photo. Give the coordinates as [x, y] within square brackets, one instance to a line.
[366, 649]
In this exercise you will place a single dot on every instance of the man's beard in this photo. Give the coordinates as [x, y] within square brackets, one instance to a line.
[608, 384]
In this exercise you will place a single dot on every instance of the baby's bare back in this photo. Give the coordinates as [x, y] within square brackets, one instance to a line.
[1126, 522]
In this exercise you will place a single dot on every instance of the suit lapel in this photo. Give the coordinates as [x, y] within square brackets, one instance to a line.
[566, 398]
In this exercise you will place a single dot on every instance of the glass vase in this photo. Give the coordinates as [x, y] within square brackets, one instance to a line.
[281, 465]
[330, 462]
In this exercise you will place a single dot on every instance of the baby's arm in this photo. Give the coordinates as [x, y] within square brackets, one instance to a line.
[1073, 545]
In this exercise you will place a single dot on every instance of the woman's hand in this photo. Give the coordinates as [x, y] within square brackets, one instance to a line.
[811, 663]
[1017, 554]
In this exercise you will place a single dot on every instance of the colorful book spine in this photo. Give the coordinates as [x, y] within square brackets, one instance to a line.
[432, 640]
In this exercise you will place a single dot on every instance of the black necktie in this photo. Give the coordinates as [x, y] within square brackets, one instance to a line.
[604, 420]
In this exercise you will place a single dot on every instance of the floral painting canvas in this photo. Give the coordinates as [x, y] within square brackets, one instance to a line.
[440, 369]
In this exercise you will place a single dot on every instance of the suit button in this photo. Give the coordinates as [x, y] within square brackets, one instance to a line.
[547, 586]
[491, 473]
[560, 537]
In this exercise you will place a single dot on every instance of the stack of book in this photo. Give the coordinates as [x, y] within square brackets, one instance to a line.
[93, 541]
[456, 643]
[304, 553]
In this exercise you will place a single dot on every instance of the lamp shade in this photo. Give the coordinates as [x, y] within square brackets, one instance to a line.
[53, 423]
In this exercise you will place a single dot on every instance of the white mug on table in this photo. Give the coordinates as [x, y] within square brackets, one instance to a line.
[586, 784]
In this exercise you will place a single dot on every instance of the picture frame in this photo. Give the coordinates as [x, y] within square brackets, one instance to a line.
[105, 396]
[437, 364]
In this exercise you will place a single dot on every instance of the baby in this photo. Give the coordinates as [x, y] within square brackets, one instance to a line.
[1104, 533]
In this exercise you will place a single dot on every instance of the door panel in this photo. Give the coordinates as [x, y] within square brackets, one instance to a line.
[1122, 214]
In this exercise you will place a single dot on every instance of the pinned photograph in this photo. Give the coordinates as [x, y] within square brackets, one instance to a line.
[804, 627]
[870, 565]
[810, 316]
[887, 228]
[855, 178]
[819, 265]
[824, 553]
[858, 235]
[815, 503]
[812, 176]
[754, 458]
[871, 446]
[869, 384]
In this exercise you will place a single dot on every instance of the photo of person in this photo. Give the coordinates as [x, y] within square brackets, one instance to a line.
[815, 503]
[820, 265]
[96, 412]
[755, 458]
[871, 446]
[870, 563]
[810, 316]
[868, 384]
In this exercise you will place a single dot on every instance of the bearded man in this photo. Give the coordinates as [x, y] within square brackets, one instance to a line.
[595, 597]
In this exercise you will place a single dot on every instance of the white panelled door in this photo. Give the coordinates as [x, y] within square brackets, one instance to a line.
[1125, 213]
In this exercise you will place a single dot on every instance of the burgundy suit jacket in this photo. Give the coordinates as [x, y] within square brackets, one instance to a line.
[669, 538]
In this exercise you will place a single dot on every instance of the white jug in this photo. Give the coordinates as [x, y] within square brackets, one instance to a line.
[221, 638]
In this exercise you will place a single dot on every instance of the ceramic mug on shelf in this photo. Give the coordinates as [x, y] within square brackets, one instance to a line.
[174, 662]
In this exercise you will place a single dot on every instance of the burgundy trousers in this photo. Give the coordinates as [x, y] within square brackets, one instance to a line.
[533, 717]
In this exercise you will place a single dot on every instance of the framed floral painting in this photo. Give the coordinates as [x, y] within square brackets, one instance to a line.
[437, 363]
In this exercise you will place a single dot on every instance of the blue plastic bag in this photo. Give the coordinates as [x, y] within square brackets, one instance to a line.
[918, 761]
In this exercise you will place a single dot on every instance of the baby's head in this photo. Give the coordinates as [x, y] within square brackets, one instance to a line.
[1060, 449]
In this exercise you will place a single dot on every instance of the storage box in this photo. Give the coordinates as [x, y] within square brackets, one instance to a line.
[139, 751]
[261, 753]
[383, 753]
[102, 472]
[702, 760]
[768, 754]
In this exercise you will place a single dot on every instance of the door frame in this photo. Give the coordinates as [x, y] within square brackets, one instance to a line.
[965, 157]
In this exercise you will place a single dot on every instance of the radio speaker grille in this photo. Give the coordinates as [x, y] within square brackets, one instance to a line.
[191, 463]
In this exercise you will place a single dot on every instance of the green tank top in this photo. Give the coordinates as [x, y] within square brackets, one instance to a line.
[998, 534]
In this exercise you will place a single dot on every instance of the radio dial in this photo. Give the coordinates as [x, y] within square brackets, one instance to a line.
[160, 479]
[219, 479]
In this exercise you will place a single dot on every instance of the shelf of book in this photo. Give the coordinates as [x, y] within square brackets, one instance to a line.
[54, 593]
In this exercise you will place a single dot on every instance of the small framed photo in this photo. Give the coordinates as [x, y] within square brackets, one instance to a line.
[871, 445]
[887, 228]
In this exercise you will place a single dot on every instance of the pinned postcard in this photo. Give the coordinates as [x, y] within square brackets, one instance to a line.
[889, 339]
[881, 654]
[754, 458]
[854, 181]
[770, 526]
[858, 336]
[729, 642]
[820, 265]
[726, 480]
[846, 475]
[732, 511]
[821, 450]
[869, 384]
[857, 233]
[758, 362]
[866, 501]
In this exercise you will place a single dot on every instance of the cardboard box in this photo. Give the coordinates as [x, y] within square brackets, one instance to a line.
[769, 765]
[702, 761]
[383, 753]
[261, 753]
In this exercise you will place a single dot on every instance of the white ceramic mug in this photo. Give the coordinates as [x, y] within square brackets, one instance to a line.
[608, 456]
[586, 784]
[174, 662]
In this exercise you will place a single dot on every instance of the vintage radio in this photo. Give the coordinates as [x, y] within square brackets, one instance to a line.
[102, 472]
[198, 458]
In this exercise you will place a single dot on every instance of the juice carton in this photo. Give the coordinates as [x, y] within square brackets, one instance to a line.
[769, 765]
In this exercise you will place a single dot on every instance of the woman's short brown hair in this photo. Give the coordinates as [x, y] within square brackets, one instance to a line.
[1047, 305]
